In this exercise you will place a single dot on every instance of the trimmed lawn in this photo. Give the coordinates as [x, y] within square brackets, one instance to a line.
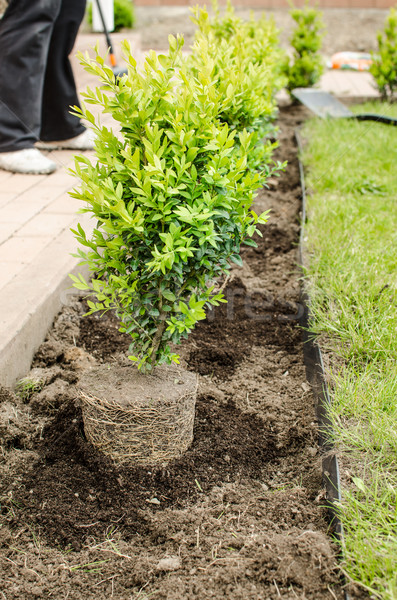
[351, 239]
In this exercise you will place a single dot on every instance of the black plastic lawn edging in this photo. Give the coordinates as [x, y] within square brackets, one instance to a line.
[315, 375]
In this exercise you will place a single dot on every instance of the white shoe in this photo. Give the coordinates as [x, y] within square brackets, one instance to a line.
[29, 160]
[84, 141]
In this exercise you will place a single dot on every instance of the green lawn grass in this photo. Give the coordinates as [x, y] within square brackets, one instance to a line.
[351, 239]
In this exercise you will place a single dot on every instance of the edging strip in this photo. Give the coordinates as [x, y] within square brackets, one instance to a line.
[315, 375]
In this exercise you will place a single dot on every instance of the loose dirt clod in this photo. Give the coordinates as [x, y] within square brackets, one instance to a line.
[171, 563]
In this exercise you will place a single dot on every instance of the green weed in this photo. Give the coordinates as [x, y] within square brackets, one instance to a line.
[26, 387]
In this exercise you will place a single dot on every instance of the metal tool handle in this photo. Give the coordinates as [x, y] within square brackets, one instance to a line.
[108, 40]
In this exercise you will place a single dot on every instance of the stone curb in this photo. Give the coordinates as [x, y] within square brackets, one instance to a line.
[31, 301]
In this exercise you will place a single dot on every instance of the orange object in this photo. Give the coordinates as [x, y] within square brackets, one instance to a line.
[355, 61]
[112, 59]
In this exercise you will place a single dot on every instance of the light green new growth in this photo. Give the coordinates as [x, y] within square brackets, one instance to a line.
[352, 240]
[384, 62]
[243, 59]
[171, 197]
[306, 65]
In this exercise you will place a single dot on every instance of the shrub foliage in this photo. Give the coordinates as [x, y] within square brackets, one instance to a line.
[171, 194]
[243, 59]
[384, 62]
[306, 66]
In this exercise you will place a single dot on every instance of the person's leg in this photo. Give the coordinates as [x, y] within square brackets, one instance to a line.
[25, 34]
[59, 85]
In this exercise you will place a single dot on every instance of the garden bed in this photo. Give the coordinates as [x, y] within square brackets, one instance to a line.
[241, 515]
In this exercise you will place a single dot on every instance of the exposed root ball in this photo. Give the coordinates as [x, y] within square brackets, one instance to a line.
[139, 419]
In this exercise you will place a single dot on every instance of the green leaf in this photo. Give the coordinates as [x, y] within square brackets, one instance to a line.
[237, 259]
[169, 295]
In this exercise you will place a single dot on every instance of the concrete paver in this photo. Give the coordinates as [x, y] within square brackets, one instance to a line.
[348, 83]
[31, 299]
[7, 230]
[9, 270]
[36, 214]
[63, 204]
[17, 184]
[23, 249]
[5, 197]
[43, 225]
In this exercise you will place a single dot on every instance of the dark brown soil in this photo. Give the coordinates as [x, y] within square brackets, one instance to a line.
[240, 515]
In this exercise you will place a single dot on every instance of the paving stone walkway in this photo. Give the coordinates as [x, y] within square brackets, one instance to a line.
[36, 214]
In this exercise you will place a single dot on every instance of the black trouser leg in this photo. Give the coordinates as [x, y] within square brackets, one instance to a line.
[25, 34]
[59, 86]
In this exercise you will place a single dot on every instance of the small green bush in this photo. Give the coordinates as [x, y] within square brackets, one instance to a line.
[124, 16]
[171, 197]
[242, 58]
[306, 66]
[384, 65]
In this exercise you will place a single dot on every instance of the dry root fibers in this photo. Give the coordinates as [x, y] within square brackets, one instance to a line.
[139, 419]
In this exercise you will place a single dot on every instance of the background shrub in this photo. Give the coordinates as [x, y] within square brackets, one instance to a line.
[384, 65]
[306, 65]
[243, 59]
[124, 15]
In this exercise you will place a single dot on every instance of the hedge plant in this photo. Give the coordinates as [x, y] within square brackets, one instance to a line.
[171, 196]
[243, 60]
[384, 62]
[305, 67]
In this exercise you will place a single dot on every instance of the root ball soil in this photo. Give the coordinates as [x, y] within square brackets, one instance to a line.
[139, 419]
[240, 515]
